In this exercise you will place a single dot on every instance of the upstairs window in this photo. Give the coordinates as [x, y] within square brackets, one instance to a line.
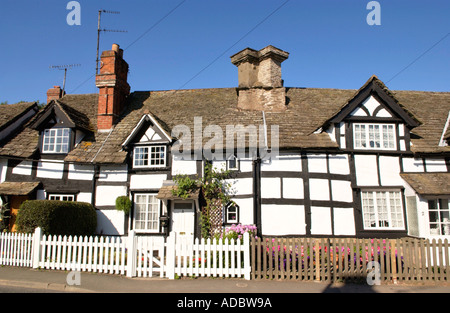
[56, 140]
[150, 156]
[374, 136]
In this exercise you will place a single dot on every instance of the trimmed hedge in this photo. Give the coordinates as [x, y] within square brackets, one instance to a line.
[57, 217]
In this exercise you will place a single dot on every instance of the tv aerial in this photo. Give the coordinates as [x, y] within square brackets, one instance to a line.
[64, 68]
[99, 30]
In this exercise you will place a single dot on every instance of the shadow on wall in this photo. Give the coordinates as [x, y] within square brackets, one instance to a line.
[108, 221]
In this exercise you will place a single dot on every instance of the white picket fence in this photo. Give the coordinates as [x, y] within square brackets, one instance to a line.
[133, 255]
[16, 249]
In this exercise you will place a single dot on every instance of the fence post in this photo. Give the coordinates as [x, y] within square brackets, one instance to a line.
[171, 248]
[247, 267]
[37, 237]
[131, 255]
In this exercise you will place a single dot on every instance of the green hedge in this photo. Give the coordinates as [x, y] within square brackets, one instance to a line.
[57, 217]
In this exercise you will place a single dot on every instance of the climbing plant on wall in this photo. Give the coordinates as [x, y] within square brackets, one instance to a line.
[216, 193]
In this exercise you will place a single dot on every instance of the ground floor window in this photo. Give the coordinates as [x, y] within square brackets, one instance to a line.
[438, 212]
[231, 213]
[60, 197]
[146, 212]
[382, 210]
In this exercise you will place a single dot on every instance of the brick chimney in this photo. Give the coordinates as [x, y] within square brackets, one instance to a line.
[260, 83]
[54, 93]
[113, 87]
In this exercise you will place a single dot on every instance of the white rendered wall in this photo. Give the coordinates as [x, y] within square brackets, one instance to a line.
[341, 190]
[182, 167]
[319, 189]
[106, 195]
[113, 173]
[344, 222]
[241, 186]
[3, 168]
[279, 220]
[321, 221]
[435, 165]
[23, 168]
[413, 165]
[339, 164]
[270, 187]
[317, 163]
[283, 163]
[366, 170]
[147, 181]
[390, 171]
[49, 169]
[81, 172]
[293, 188]
[245, 210]
[110, 222]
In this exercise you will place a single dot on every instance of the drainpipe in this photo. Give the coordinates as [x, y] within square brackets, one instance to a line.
[94, 183]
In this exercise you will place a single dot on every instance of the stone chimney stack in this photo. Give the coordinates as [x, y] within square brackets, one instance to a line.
[113, 87]
[54, 93]
[260, 83]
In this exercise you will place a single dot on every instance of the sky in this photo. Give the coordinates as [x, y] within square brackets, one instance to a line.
[187, 44]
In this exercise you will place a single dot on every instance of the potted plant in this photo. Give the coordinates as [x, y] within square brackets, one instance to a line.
[123, 203]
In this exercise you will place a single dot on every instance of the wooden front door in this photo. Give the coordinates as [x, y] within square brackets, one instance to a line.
[15, 203]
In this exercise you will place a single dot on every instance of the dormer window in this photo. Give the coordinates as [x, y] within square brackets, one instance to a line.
[374, 136]
[56, 140]
[149, 156]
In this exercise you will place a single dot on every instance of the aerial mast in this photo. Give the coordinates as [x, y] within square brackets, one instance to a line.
[99, 30]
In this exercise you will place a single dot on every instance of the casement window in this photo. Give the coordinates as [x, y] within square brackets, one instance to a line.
[382, 210]
[146, 212]
[374, 136]
[439, 214]
[231, 213]
[56, 140]
[61, 197]
[149, 156]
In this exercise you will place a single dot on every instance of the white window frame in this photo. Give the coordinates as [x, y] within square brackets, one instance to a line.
[236, 160]
[227, 214]
[382, 207]
[152, 206]
[441, 206]
[63, 140]
[151, 151]
[60, 197]
[366, 133]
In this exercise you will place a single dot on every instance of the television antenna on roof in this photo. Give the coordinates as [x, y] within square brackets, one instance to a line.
[64, 68]
[99, 30]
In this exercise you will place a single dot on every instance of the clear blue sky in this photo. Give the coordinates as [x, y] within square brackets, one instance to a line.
[330, 43]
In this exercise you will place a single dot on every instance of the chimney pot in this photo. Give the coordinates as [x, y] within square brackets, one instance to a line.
[115, 48]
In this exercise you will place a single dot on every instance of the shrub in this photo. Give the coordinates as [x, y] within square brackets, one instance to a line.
[237, 232]
[57, 217]
[123, 203]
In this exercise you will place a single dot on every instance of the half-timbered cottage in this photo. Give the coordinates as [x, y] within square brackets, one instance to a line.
[305, 161]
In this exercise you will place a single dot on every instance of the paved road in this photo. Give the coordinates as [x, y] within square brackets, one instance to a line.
[52, 280]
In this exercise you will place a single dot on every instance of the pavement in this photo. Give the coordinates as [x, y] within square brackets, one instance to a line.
[87, 282]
